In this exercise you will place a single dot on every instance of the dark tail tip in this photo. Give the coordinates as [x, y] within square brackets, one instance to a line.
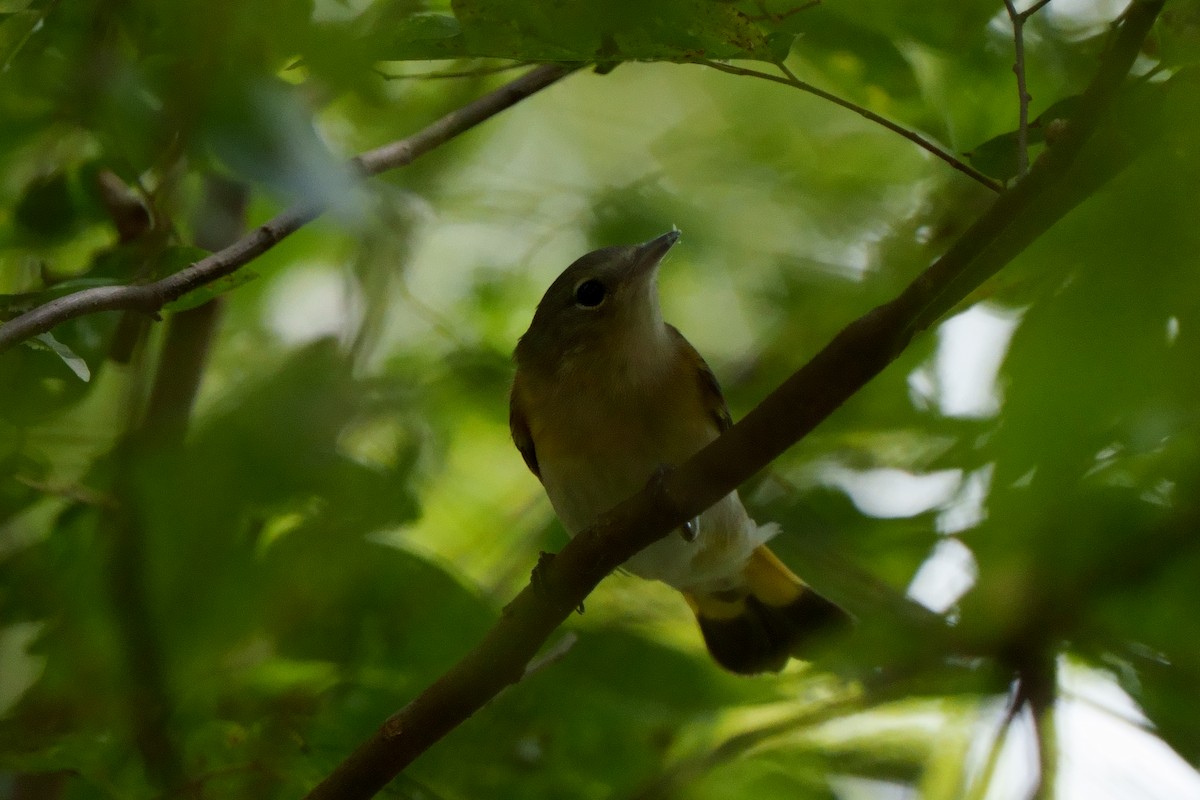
[763, 637]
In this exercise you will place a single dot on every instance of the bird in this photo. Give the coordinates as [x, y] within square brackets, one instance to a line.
[606, 395]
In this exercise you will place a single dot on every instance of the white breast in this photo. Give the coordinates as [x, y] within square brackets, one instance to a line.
[605, 441]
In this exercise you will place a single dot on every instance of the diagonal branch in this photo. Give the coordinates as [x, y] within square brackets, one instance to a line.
[150, 297]
[857, 354]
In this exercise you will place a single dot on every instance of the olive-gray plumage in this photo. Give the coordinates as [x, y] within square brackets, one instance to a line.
[607, 393]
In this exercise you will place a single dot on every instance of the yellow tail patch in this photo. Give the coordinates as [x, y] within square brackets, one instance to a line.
[758, 626]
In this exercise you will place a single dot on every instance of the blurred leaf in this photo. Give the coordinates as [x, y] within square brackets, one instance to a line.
[39, 381]
[16, 26]
[74, 362]
[1178, 32]
[997, 156]
[396, 33]
[265, 134]
[865, 57]
[624, 30]
[45, 209]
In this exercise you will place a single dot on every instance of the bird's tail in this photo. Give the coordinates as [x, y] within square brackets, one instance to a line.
[756, 627]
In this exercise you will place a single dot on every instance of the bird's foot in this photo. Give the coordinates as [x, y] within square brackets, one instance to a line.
[538, 577]
[540, 580]
[689, 530]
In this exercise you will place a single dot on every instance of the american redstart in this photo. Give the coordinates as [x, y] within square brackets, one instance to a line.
[605, 395]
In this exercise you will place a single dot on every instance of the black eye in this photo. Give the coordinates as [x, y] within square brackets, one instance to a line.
[590, 293]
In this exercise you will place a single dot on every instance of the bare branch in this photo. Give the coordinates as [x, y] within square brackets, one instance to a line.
[789, 79]
[1018, 19]
[150, 297]
[845, 365]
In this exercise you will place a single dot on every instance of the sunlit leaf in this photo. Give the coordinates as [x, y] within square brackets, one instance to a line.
[74, 362]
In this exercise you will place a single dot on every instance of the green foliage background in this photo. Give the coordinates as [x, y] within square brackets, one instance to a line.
[226, 615]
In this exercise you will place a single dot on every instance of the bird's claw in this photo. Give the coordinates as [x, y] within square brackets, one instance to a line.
[540, 580]
[689, 530]
[538, 577]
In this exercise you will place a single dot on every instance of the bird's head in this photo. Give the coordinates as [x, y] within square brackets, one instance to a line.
[605, 305]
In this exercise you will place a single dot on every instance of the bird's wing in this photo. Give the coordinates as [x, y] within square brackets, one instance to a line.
[519, 427]
[710, 390]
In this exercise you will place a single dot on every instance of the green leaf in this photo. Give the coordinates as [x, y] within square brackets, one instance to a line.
[621, 30]
[848, 49]
[393, 33]
[1063, 109]
[997, 156]
[207, 292]
[73, 362]
[16, 27]
[1178, 31]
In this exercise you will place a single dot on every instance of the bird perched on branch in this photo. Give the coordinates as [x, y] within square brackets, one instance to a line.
[607, 394]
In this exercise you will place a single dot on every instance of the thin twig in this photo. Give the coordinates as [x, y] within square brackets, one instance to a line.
[151, 297]
[789, 79]
[1018, 19]
[984, 780]
[1018, 25]
[855, 356]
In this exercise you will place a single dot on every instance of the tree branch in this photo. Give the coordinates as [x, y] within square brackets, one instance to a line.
[150, 297]
[844, 366]
[1038, 682]
[789, 79]
[179, 370]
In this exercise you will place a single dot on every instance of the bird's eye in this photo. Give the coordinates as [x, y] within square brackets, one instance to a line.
[590, 294]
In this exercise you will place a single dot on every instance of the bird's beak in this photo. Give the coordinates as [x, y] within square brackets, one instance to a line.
[648, 255]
